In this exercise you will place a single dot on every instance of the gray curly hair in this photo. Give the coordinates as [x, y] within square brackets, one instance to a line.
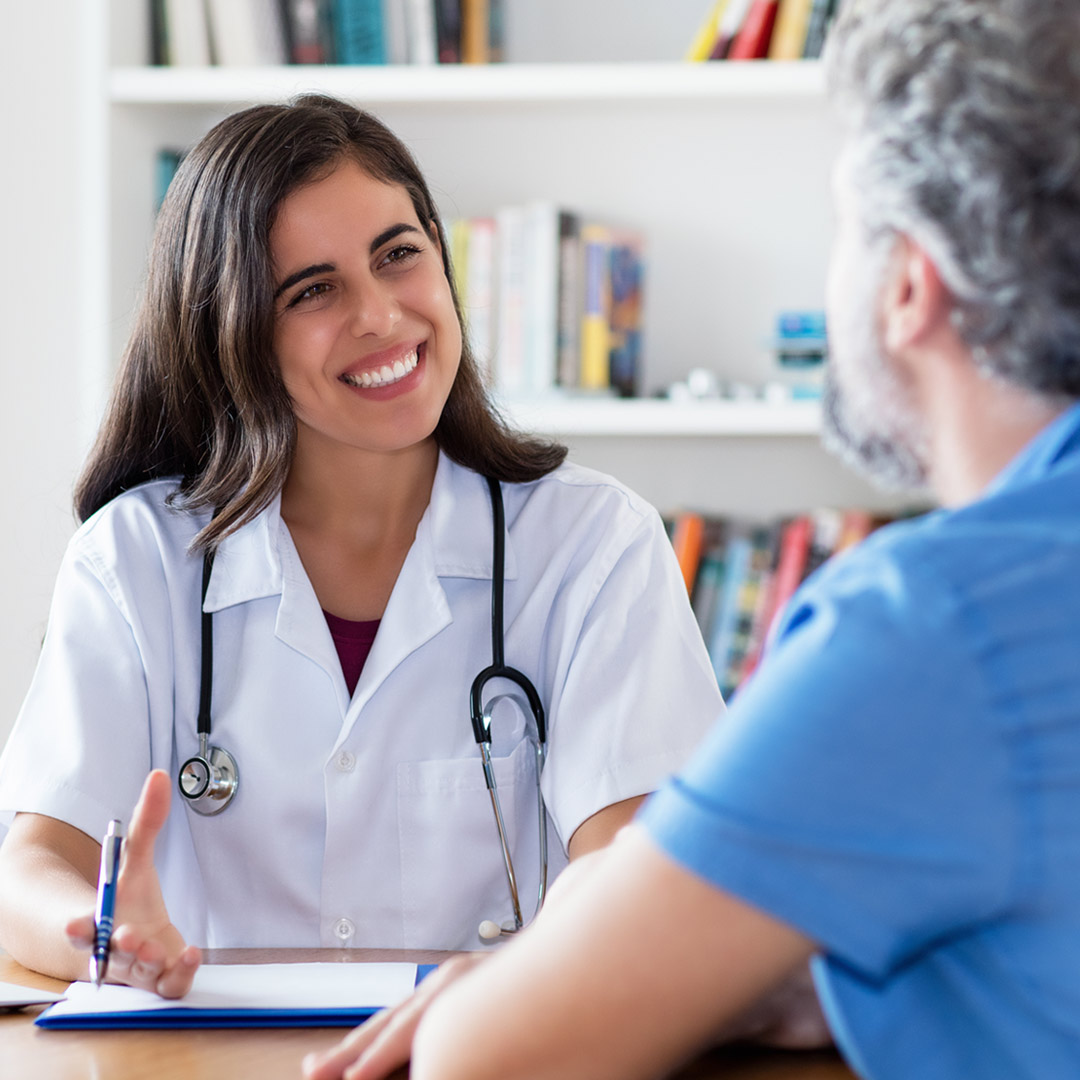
[964, 125]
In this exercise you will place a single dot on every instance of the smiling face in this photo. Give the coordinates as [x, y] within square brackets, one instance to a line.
[365, 331]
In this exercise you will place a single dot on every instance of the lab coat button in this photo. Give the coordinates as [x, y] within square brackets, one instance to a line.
[346, 762]
[344, 929]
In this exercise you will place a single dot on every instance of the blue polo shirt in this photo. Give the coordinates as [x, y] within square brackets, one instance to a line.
[900, 782]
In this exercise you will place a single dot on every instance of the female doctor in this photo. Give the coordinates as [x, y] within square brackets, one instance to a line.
[295, 463]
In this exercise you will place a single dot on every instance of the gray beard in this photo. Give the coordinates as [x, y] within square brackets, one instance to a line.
[856, 438]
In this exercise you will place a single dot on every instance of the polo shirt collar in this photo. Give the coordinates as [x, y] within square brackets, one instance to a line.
[1056, 443]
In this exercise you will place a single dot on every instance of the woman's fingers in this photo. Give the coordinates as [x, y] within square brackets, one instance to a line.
[176, 981]
[149, 815]
[376, 1049]
[80, 932]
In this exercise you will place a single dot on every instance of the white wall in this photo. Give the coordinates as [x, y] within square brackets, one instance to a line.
[39, 323]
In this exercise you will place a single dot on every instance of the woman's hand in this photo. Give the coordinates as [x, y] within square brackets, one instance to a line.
[147, 951]
[384, 1043]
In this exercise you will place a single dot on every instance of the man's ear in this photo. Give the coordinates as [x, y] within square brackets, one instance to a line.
[915, 302]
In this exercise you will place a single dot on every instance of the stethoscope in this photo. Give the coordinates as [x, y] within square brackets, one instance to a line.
[209, 780]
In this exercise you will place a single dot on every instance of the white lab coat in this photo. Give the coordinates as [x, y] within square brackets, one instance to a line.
[362, 821]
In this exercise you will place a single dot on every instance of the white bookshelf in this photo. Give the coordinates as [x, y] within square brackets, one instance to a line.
[724, 167]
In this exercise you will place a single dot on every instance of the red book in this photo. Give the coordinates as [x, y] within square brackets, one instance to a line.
[790, 570]
[752, 42]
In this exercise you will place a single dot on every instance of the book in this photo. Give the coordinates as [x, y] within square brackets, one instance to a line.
[568, 336]
[166, 162]
[731, 22]
[448, 31]
[307, 30]
[748, 602]
[479, 299]
[475, 32]
[752, 40]
[721, 634]
[510, 374]
[687, 539]
[821, 13]
[358, 32]
[159, 33]
[625, 317]
[187, 33]
[395, 32]
[710, 576]
[595, 350]
[246, 33]
[703, 40]
[789, 33]
[496, 31]
[541, 296]
[423, 42]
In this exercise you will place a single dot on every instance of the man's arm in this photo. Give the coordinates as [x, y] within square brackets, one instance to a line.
[638, 966]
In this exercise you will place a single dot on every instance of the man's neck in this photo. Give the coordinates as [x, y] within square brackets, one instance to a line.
[977, 424]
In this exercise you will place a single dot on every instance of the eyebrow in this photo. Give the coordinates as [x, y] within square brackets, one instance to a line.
[325, 268]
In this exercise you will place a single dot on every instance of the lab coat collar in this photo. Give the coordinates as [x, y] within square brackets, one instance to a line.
[460, 516]
[247, 565]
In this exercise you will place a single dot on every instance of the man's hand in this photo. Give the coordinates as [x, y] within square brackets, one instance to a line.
[384, 1043]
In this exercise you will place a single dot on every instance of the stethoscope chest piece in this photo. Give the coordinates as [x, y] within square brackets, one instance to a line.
[209, 779]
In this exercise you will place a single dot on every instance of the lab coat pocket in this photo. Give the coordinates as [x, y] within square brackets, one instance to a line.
[453, 877]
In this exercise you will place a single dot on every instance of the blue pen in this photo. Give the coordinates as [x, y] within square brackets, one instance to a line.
[106, 901]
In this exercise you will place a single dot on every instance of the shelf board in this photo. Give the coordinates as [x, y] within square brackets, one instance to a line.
[655, 417]
[457, 83]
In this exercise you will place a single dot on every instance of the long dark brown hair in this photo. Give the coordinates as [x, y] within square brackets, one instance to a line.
[199, 395]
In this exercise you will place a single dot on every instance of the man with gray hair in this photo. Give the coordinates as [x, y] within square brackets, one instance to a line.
[895, 796]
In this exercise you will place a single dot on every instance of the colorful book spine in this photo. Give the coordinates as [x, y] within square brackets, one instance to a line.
[789, 33]
[729, 26]
[448, 30]
[821, 14]
[510, 371]
[624, 349]
[596, 314]
[358, 32]
[752, 41]
[475, 31]
[423, 41]
[308, 31]
[478, 296]
[687, 539]
[703, 41]
[568, 341]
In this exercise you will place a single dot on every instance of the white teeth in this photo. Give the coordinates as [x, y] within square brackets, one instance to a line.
[385, 375]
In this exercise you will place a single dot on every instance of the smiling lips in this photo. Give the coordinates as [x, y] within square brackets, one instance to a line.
[386, 375]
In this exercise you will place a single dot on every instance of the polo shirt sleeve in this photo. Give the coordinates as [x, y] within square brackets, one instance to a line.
[859, 789]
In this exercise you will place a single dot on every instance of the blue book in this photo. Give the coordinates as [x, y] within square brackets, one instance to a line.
[358, 32]
[722, 634]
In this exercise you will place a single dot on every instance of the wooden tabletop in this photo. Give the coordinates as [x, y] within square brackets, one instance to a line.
[31, 1053]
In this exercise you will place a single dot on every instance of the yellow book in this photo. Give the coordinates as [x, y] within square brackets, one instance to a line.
[789, 34]
[459, 255]
[706, 35]
[596, 316]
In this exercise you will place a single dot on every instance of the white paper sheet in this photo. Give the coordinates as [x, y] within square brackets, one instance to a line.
[257, 986]
[13, 996]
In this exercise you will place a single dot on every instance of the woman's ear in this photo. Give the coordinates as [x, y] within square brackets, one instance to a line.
[915, 302]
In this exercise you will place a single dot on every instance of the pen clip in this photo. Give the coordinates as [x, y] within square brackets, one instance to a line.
[110, 856]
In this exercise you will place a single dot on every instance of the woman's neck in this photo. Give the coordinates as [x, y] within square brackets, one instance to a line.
[353, 516]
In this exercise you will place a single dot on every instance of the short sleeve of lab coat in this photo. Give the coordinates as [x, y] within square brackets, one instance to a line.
[639, 693]
[80, 746]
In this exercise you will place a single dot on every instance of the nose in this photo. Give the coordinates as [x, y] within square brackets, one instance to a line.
[375, 311]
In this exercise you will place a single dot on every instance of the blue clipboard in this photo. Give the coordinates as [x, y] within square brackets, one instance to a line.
[215, 1018]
